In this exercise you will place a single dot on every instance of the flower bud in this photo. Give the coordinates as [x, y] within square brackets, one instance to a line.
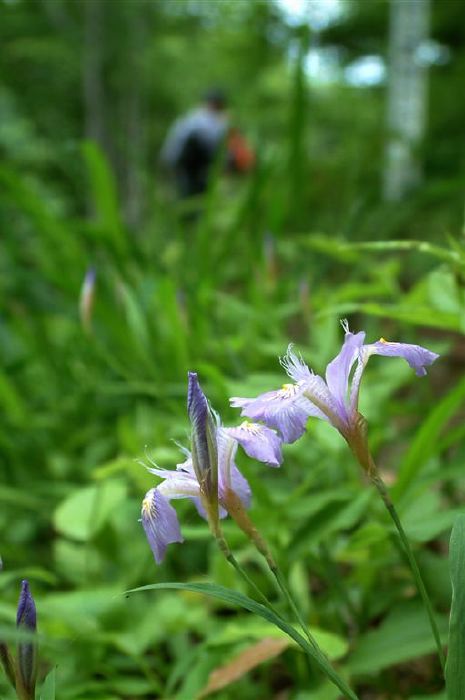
[27, 650]
[203, 444]
[86, 299]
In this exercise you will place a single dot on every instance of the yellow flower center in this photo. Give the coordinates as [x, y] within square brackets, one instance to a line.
[287, 391]
[252, 428]
[147, 506]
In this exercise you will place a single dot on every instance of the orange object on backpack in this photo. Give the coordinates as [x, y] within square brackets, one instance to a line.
[241, 155]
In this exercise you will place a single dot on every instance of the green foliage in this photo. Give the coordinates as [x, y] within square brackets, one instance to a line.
[48, 689]
[276, 257]
[455, 675]
[232, 597]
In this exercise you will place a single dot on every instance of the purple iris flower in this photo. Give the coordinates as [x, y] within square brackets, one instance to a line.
[213, 452]
[334, 399]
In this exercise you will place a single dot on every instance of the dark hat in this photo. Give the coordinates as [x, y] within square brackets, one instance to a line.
[217, 97]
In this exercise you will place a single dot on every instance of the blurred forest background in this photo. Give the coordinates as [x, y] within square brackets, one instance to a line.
[355, 209]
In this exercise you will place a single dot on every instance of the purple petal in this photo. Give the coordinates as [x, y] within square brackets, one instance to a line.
[178, 483]
[160, 523]
[229, 475]
[240, 486]
[338, 370]
[285, 409]
[294, 365]
[186, 467]
[322, 403]
[417, 357]
[222, 512]
[259, 442]
[227, 448]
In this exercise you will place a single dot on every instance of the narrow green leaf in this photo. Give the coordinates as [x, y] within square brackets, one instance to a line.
[48, 688]
[421, 246]
[426, 440]
[238, 599]
[104, 191]
[455, 666]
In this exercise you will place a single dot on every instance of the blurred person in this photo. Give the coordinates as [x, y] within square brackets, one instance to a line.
[195, 141]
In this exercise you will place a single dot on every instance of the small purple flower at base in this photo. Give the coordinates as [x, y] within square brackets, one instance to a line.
[210, 466]
[332, 400]
[159, 518]
[160, 523]
[26, 619]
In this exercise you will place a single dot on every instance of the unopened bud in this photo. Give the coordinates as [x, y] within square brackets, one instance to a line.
[203, 443]
[86, 299]
[26, 620]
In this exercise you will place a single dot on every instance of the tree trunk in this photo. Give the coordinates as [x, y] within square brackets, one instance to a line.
[134, 124]
[407, 96]
[94, 98]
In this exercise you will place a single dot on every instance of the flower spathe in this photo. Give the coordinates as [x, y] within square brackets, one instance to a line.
[26, 615]
[203, 441]
[214, 451]
[332, 399]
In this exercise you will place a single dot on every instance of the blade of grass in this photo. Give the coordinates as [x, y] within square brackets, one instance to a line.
[455, 668]
[238, 599]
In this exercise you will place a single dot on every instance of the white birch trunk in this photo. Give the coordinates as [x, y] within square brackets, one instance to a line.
[93, 90]
[407, 96]
[134, 123]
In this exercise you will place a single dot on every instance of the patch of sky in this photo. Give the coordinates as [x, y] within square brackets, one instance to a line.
[431, 53]
[324, 64]
[318, 14]
[366, 71]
